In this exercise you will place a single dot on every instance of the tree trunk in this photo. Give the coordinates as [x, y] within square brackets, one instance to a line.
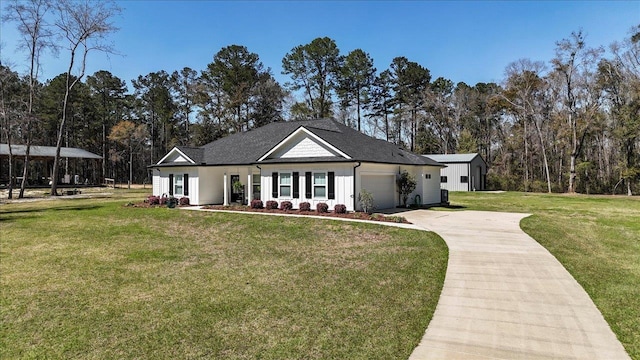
[574, 155]
[130, 163]
[104, 149]
[358, 102]
[11, 177]
[54, 177]
[25, 171]
[526, 159]
[544, 156]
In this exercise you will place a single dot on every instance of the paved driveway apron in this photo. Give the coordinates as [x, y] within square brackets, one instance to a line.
[507, 297]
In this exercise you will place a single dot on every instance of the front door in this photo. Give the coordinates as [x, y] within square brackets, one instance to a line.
[236, 193]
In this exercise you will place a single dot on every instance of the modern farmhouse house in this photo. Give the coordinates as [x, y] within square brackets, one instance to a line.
[303, 161]
[464, 172]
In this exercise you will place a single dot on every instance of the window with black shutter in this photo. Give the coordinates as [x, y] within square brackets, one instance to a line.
[274, 184]
[296, 185]
[186, 184]
[170, 184]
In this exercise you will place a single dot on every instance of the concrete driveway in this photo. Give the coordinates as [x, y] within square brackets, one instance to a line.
[507, 297]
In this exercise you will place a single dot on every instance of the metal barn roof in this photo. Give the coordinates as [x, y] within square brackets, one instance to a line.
[452, 158]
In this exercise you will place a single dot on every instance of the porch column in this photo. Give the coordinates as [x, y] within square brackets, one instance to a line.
[249, 189]
[226, 191]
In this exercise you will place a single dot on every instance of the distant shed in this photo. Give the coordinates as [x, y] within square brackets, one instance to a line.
[464, 172]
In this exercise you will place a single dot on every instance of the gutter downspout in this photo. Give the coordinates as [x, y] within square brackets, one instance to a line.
[469, 178]
[355, 197]
[259, 168]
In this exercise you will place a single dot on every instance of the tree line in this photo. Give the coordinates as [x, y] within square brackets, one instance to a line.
[570, 124]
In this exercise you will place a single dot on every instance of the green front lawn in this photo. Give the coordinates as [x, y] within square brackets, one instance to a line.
[96, 279]
[597, 238]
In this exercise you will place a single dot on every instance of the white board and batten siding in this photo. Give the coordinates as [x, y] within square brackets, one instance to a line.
[161, 182]
[343, 183]
[380, 180]
[430, 186]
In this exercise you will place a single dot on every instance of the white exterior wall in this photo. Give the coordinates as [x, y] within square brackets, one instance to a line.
[367, 169]
[161, 182]
[427, 184]
[210, 185]
[475, 170]
[453, 172]
[206, 183]
[155, 187]
[430, 187]
[343, 183]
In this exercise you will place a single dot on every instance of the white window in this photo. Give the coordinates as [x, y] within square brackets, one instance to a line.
[285, 184]
[178, 185]
[320, 185]
[256, 186]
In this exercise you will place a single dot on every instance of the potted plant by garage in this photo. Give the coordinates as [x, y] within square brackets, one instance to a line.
[171, 202]
[239, 189]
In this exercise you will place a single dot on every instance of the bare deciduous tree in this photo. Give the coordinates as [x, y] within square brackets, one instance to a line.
[84, 25]
[525, 93]
[575, 65]
[36, 37]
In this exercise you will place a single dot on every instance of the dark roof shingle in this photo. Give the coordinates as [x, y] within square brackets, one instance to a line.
[247, 147]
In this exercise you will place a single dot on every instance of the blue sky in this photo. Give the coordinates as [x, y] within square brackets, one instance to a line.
[459, 40]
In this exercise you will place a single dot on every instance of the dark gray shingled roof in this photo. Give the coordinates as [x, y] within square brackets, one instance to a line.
[247, 147]
[194, 153]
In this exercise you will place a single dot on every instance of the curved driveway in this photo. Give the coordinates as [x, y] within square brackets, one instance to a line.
[507, 297]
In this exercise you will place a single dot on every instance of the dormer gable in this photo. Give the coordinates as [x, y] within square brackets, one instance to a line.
[303, 143]
[176, 156]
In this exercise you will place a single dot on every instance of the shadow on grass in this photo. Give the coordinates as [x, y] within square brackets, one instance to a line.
[4, 212]
[400, 210]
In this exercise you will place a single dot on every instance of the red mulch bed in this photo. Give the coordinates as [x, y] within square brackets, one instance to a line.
[349, 215]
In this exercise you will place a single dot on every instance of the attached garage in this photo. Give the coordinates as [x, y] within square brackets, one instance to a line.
[379, 186]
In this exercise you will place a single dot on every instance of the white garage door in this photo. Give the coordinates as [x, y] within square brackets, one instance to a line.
[383, 189]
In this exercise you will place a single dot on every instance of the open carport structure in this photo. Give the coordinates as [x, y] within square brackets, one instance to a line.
[43, 157]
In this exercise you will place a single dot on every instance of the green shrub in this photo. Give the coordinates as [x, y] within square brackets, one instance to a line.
[406, 184]
[365, 199]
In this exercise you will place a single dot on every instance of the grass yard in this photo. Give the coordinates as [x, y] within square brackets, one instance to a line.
[597, 238]
[95, 279]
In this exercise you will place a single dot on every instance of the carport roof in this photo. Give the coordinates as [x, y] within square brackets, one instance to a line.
[47, 152]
